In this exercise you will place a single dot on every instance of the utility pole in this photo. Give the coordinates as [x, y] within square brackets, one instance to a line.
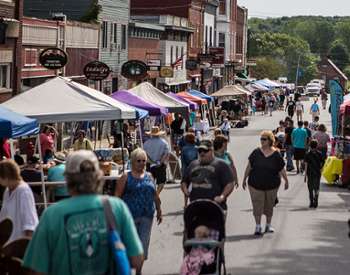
[297, 74]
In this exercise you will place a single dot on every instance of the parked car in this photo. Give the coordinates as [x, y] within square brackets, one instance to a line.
[313, 89]
[319, 81]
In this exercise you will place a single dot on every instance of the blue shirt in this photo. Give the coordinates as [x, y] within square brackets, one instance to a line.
[56, 173]
[139, 196]
[156, 148]
[314, 108]
[299, 138]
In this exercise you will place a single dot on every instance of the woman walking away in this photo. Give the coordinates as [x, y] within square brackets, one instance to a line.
[299, 107]
[220, 151]
[264, 172]
[322, 139]
[138, 191]
[313, 165]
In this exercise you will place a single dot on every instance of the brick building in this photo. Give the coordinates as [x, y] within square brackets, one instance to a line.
[79, 40]
[10, 48]
[144, 44]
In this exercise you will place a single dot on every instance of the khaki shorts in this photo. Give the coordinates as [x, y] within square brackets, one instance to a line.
[263, 201]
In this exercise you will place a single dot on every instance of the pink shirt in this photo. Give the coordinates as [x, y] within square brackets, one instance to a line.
[46, 142]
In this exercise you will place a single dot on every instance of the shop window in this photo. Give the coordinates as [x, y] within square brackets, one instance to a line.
[124, 36]
[104, 34]
[5, 76]
[222, 7]
[221, 40]
[115, 33]
[30, 57]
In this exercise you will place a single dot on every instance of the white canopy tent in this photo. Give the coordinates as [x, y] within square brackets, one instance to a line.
[151, 94]
[63, 100]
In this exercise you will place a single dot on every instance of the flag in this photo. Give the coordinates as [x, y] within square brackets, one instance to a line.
[178, 62]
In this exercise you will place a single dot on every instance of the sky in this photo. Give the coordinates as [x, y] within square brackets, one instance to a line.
[278, 8]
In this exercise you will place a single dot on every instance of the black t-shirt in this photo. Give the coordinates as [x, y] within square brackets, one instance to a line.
[265, 170]
[206, 181]
[31, 175]
[288, 132]
[315, 161]
[290, 106]
[309, 133]
[176, 126]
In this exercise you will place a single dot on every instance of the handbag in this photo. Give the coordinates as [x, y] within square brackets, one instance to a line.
[122, 265]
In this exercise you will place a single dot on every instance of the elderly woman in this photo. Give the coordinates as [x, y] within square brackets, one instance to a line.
[220, 151]
[75, 228]
[322, 138]
[138, 190]
[264, 172]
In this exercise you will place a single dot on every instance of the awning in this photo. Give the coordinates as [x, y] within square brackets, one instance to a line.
[201, 95]
[193, 105]
[188, 96]
[14, 125]
[229, 91]
[177, 83]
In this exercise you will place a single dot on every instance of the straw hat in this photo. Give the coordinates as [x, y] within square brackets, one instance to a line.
[155, 132]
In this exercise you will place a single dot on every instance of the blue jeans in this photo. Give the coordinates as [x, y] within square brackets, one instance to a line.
[144, 228]
[289, 152]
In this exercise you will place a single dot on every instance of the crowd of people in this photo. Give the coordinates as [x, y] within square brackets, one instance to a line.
[71, 236]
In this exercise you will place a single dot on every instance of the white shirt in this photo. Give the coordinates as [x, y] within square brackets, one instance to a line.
[299, 106]
[19, 206]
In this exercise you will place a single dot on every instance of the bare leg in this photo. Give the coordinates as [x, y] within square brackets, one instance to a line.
[257, 220]
[160, 187]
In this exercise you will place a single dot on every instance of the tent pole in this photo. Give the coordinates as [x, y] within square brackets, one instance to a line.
[122, 134]
[42, 173]
[12, 149]
[140, 132]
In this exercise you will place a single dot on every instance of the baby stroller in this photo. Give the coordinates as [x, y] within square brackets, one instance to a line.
[210, 214]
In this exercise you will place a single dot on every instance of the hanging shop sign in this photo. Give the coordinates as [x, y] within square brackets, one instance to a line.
[166, 72]
[134, 70]
[191, 64]
[205, 58]
[96, 71]
[53, 58]
[218, 54]
[153, 62]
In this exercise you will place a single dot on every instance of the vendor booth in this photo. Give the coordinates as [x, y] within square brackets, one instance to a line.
[62, 100]
[193, 105]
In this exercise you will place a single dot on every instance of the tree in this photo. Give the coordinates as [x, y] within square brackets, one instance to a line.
[342, 32]
[339, 54]
[268, 67]
[347, 71]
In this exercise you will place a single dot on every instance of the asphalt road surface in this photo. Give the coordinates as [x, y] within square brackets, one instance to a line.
[305, 242]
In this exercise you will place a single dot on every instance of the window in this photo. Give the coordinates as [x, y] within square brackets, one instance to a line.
[221, 40]
[222, 7]
[5, 76]
[104, 34]
[206, 36]
[30, 57]
[115, 33]
[211, 37]
[123, 41]
[177, 53]
[171, 55]
[182, 57]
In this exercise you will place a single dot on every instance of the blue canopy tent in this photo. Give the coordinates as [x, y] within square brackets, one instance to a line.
[267, 83]
[201, 95]
[14, 125]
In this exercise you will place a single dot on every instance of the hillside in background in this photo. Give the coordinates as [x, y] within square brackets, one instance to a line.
[283, 42]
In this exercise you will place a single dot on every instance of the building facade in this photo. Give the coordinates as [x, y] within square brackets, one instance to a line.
[10, 48]
[241, 39]
[113, 16]
[78, 40]
[144, 45]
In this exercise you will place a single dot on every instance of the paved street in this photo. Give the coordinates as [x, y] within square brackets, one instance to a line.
[305, 242]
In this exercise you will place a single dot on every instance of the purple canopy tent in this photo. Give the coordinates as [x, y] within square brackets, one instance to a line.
[193, 105]
[134, 100]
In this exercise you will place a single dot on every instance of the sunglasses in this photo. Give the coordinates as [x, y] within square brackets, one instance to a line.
[263, 139]
[141, 160]
[200, 151]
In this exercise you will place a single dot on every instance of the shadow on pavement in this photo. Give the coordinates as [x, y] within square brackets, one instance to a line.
[330, 256]
[176, 213]
[238, 238]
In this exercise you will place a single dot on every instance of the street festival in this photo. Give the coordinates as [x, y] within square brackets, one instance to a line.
[159, 145]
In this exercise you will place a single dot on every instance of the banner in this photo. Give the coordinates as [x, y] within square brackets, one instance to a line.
[336, 91]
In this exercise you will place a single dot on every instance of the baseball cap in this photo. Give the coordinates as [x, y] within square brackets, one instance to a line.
[206, 144]
[75, 160]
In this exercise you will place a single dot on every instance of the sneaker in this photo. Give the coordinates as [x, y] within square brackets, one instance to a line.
[269, 229]
[258, 231]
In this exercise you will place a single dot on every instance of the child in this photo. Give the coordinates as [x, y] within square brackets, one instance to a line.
[314, 163]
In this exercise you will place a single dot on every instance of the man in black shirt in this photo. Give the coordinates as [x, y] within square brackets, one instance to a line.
[288, 145]
[290, 107]
[177, 131]
[314, 163]
[208, 177]
[30, 173]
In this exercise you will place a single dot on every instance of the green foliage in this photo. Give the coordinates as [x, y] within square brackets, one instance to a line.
[268, 67]
[310, 37]
[339, 54]
[347, 71]
[91, 16]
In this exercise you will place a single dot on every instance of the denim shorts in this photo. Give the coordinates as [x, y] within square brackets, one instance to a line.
[144, 229]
